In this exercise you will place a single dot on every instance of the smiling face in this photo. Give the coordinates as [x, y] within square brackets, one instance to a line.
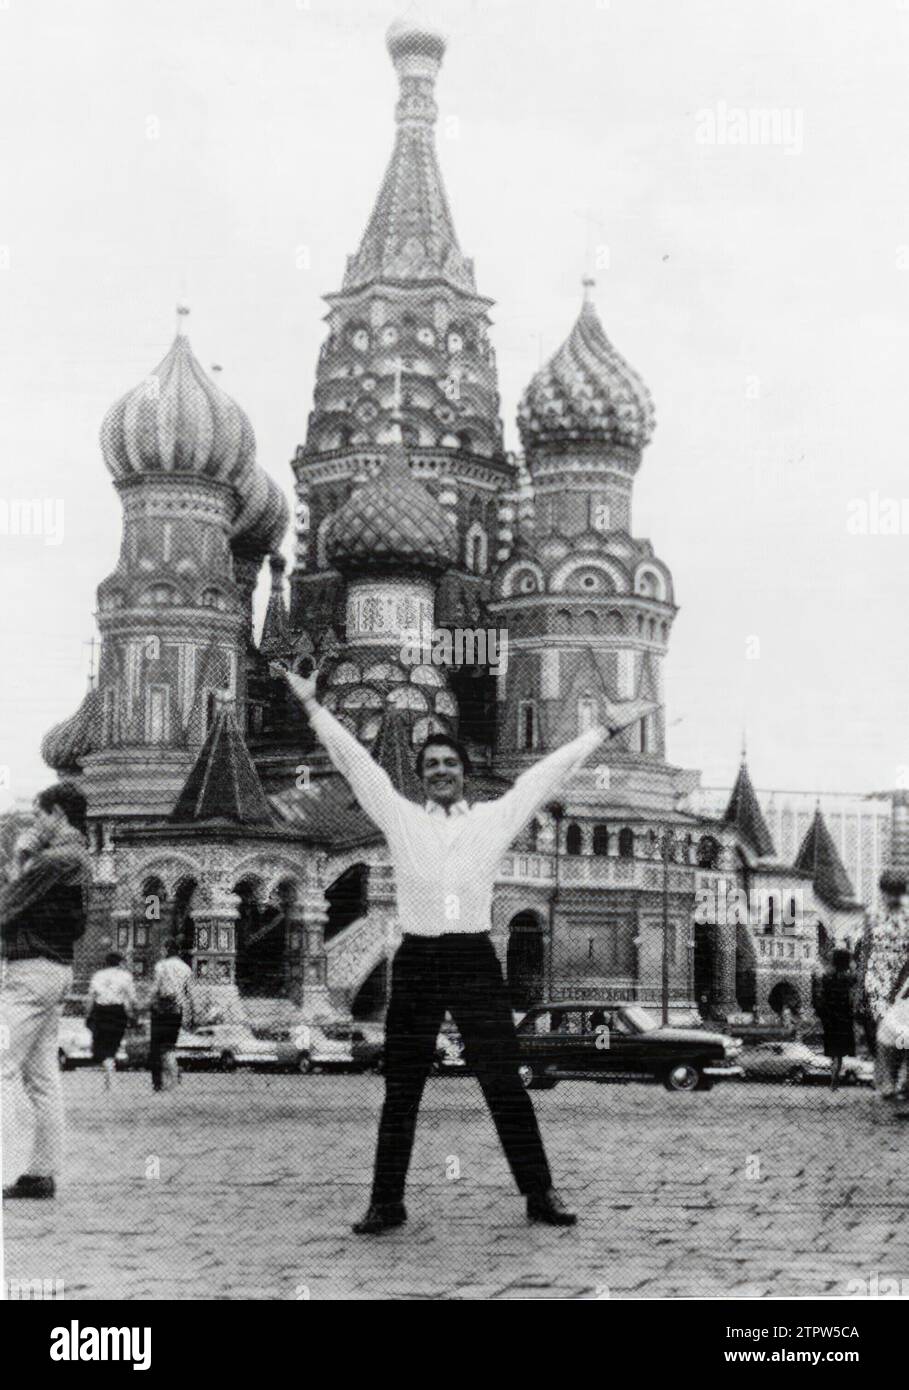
[443, 775]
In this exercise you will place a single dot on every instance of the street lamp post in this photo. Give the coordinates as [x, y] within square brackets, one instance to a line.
[557, 811]
[665, 843]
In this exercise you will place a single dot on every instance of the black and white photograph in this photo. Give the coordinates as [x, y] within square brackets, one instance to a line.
[454, 765]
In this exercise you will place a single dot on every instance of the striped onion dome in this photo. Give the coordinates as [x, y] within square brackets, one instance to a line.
[586, 393]
[178, 421]
[66, 744]
[263, 519]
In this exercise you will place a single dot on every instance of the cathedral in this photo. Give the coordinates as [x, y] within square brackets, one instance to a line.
[214, 814]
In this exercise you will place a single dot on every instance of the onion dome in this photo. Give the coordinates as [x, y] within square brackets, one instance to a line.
[586, 393]
[66, 744]
[405, 37]
[392, 524]
[178, 421]
[264, 517]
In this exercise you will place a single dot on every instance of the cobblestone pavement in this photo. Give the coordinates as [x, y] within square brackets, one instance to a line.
[243, 1186]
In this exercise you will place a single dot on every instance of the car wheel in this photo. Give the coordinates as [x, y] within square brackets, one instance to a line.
[228, 1061]
[684, 1076]
[531, 1079]
[797, 1076]
[705, 1083]
[304, 1064]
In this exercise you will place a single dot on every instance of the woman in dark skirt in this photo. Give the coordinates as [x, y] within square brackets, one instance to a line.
[834, 1007]
[111, 1004]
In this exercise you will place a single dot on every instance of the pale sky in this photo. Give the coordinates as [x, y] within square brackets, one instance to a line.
[162, 150]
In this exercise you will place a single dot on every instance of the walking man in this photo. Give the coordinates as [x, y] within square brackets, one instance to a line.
[446, 854]
[111, 1005]
[170, 1003]
[42, 915]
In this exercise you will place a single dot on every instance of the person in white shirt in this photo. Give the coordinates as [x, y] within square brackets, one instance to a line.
[111, 1005]
[170, 1003]
[445, 855]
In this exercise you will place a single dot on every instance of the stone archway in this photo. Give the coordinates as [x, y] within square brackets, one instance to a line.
[784, 999]
[262, 932]
[183, 926]
[525, 962]
[347, 899]
[370, 1000]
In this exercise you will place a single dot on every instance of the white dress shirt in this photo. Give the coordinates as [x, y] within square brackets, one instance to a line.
[171, 981]
[445, 865]
[112, 985]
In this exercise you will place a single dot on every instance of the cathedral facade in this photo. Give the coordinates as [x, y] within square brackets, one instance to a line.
[215, 817]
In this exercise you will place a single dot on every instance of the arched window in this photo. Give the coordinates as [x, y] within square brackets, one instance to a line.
[626, 843]
[587, 713]
[476, 549]
[708, 852]
[600, 839]
[573, 839]
[321, 543]
[157, 714]
[527, 725]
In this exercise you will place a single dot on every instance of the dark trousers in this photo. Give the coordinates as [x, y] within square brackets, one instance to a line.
[165, 1028]
[107, 1025]
[461, 973]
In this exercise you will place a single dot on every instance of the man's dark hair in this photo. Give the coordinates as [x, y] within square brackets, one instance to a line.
[445, 741]
[172, 946]
[113, 958]
[892, 884]
[68, 797]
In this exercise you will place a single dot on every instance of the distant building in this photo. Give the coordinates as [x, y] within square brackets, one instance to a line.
[860, 827]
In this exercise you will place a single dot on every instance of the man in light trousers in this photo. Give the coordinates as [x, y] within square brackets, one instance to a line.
[42, 915]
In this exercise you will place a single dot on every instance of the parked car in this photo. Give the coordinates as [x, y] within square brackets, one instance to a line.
[368, 1046]
[74, 1039]
[136, 1044]
[326, 1045]
[226, 1046]
[798, 1064]
[594, 1041]
[449, 1051]
[858, 1071]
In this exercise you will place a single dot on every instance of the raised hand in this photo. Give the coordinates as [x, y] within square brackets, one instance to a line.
[304, 687]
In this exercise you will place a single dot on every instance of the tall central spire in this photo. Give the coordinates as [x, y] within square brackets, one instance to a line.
[411, 236]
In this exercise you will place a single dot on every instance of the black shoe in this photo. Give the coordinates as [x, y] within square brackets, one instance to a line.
[548, 1207]
[382, 1216]
[30, 1186]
